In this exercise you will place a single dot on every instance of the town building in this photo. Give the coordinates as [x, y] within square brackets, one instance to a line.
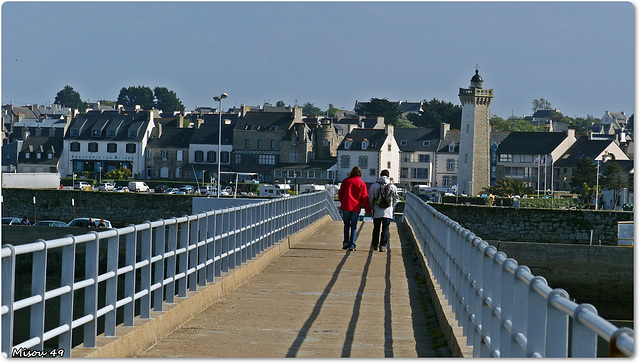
[371, 149]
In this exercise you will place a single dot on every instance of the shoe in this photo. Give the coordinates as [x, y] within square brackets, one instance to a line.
[345, 247]
[352, 248]
[383, 248]
[374, 248]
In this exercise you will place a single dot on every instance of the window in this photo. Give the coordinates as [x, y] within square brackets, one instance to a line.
[365, 144]
[247, 143]
[131, 148]
[38, 155]
[148, 154]
[273, 127]
[179, 156]
[446, 181]
[389, 165]
[345, 160]
[421, 173]
[505, 157]
[259, 144]
[293, 156]
[211, 156]
[75, 146]
[95, 132]
[112, 148]
[74, 132]
[404, 172]
[50, 156]
[347, 144]
[198, 156]
[407, 157]
[425, 143]
[133, 133]
[273, 144]
[178, 173]
[389, 147]
[466, 158]
[93, 147]
[267, 159]
[52, 132]
[164, 172]
[373, 172]
[27, 155]
[363, 162]
[403, 142]
[424, 158]
[451, 164]
[38, 132]
[467, 128]
[311, 174]
[452, 148]
[224, 157]
[238, 158]
[163, 155]
[294, 141]
[112, 133]
[326, 142]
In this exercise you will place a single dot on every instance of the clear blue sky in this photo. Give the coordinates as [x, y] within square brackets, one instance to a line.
[577, 55]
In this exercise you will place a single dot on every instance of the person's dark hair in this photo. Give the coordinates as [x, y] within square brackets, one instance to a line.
[355, 172]
[385, 172]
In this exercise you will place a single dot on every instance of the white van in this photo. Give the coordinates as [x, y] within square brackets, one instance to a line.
[277, 190]
[311, 188]
[138, 187]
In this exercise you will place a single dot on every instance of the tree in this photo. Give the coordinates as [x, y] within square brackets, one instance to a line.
[615, 178]
[167, 100]
[404, 123]
[120, 173]
[512, 124]
[584, 174]
[280, 103]
[309, 109]
[509, 186]
[68, 97]
[332, 112]
[381, 107]
[436, 112]
[140, 95]
[541, 104]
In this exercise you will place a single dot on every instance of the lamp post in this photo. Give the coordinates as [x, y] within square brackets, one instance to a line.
[219, 99]
[605, 157]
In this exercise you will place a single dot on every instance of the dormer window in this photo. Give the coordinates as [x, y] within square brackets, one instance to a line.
[133, 133]
[365, 144]
[425, 143]
[273, 127]
[248, 127]
[347, 144]
[96, 133]
[294, 141]
[452, 148]
[403, 142]
[111, 133]
[75, 132]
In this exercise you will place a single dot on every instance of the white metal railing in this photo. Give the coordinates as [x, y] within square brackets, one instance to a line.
[503, 309]
[155, 260]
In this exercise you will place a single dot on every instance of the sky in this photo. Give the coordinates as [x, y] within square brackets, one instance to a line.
[577, 55]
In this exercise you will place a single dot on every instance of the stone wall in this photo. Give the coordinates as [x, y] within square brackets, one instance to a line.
[121, 209]
[538, 225]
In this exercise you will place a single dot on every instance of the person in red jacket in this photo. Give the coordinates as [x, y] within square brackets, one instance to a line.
[353, 193]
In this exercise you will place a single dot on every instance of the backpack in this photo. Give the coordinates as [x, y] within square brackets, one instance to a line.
[384, 196]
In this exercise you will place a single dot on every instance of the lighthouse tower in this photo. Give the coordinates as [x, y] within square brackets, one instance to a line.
[474, 158]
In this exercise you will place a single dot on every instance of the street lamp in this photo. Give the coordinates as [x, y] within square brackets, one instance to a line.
[605, 157]
[219, 99]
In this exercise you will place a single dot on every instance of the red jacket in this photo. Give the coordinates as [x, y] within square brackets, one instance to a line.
[352, 194]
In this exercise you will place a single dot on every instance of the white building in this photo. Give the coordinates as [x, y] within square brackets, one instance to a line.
[371, 149]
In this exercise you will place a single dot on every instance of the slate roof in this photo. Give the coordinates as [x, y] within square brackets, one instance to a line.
[207, 133]
[375, 137]
[265, 121]
[583, 147]
[42, 145]
[531, 143]
[415, 138]
[173, 138]
[120, 122]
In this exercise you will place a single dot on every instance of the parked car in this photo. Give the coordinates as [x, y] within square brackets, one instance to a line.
[50, 223]
[160, 188]
[121, 189]
[83, 186]
[206, 190]
[11, 221]
[138, 187]
[187, 189]
[170, 191]
[106, 186]
[84, 222]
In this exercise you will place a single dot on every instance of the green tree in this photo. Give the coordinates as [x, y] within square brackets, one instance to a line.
[404, 123]
[436, 112]
[332, 112]
[120, 173]
[167, 100]
[68, 97]
[615, 178]
[381, 107]
[541, 104]
[310, 109]
[140, 95]
[280, 103]
[509, 186]
[584, 174]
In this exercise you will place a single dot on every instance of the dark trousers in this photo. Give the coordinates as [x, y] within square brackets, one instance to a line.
[382, 238]
[350, 219]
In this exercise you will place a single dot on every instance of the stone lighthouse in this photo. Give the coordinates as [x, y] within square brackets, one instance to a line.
[474, 158]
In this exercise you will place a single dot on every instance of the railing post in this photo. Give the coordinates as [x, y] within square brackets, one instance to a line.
[38, 288]
[145, 271]
[90, 329]
[172, 246]
[497, 302]
[583, 340]
[183, 258]
[520, 312]
[225, 231]
[8, 296]
[201, 263]
[67, 277]
[537, 319]
[130, 277]
[158, 267]
[506, 308]
[211, 254]
[557, 340]
[487, 301]
[217, 244]
[192, 253]
[111, 292]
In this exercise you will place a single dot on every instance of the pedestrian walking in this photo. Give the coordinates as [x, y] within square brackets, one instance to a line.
[352, 195]
[383, 197]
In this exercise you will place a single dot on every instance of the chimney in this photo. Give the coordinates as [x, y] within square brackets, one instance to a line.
[388, 129]
[245, 110]
[180, 120]
[571, 133]
[444, 128]
[297, 114]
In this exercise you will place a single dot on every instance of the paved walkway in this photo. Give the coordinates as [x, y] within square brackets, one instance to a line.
[319, 301]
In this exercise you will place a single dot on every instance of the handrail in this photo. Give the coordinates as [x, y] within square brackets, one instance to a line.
[504, 310]
[154, 259]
